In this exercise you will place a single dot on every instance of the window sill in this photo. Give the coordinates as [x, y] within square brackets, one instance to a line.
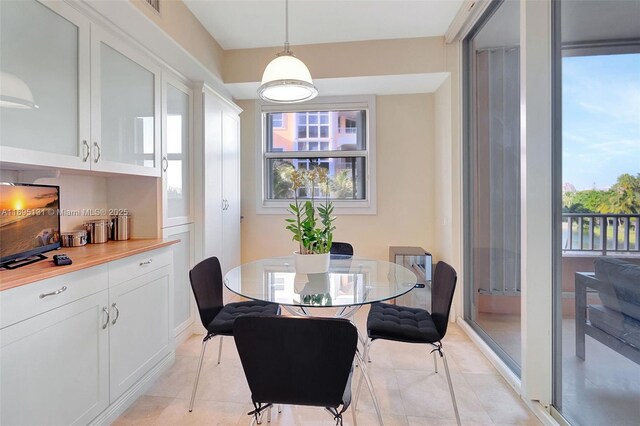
[365, 207]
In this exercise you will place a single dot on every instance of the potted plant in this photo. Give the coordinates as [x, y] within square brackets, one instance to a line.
[312, 226]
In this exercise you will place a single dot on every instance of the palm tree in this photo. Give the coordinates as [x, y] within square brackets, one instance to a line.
[342, 185]
[281, 179]
[624, 196]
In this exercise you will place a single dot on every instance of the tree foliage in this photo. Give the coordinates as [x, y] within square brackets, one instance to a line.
[622, 198]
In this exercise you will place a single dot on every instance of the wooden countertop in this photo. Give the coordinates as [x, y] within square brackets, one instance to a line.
[82, 257]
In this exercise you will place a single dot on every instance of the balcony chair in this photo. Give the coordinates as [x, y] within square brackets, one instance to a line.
[344, 249]
[415, 325]
[218, 318]
[301, 361]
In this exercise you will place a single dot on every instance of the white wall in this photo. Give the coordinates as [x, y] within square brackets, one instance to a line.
[405, 186]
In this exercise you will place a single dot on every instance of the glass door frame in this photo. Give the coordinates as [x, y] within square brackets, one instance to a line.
[469, 134]
[539, 172]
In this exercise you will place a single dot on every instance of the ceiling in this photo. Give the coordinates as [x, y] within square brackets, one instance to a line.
[244, 24]
[241, 24]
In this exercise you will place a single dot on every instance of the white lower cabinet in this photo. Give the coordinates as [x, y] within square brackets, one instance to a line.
[140, 330]
[82, 354]
[55, 366]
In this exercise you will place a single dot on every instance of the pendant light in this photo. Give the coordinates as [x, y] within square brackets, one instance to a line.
[14, 92]
[286, 79]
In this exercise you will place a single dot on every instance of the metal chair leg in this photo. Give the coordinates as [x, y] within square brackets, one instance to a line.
[220, 350]
[195, 384]
[364, 374]
[453, 395]
[353, 415]
[365, 354]
[435, 362]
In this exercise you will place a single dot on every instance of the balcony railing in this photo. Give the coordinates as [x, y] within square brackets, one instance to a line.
[595, 232]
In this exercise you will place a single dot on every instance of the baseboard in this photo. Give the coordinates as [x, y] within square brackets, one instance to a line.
[182, 334]
[114, 410]
[198, 328]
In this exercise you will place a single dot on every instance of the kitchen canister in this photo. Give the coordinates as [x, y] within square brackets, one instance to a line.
[120, 227]
[73, 238]
[98, 230]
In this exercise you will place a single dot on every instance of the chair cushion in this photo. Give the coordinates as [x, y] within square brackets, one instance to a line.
[223, 322]
[401, 323]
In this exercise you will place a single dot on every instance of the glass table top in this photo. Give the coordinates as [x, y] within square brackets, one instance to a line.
[350, 281]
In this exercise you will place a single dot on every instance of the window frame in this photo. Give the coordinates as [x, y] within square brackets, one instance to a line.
[367, 206]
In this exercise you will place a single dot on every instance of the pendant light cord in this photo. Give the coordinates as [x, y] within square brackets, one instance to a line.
[286, 26]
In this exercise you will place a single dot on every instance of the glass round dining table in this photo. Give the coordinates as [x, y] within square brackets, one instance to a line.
[351, 282]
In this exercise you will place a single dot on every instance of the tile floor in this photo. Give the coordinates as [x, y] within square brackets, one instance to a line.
[408, 390]
[602, 390]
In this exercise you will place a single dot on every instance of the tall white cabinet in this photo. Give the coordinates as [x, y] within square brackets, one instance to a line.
[217, 169]
[177, 194]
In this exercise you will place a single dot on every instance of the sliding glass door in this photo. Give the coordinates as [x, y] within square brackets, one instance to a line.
[597, 321]
[492, 181]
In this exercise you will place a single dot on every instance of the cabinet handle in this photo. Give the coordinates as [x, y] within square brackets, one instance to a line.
[53, 293]
[146, 262]
[95, 144]
[165, 164]
[106, 311]
[87, 150]
[117, 314]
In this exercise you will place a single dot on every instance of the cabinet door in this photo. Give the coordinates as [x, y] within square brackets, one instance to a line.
[44, 58]
[183, 303]
[125, 107]
[209, 164]
[55, 366]
[176, 151]
[141, 331]
[230, 190]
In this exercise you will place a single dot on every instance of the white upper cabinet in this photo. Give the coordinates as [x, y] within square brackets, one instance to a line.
[44, 59]
[125, 107]
[177, 112]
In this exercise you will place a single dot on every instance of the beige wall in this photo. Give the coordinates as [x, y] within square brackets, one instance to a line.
[178, 22]
[405, 186]
[448, 172]
[353, 59]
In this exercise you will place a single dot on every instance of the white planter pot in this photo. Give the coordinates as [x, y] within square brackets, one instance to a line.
[311, 263]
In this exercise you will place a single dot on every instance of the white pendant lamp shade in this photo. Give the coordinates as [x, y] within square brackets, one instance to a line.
[14, 93]
[287, 80]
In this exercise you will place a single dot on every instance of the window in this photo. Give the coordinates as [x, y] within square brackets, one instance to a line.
[317, 137]
[277, 121]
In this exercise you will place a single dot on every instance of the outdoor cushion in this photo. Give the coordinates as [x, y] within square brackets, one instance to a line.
[625, 279]
[615, 324]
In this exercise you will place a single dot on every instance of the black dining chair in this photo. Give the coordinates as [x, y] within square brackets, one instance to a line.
[415, 325]
[344, 249]
[301, 361]
[218, 318]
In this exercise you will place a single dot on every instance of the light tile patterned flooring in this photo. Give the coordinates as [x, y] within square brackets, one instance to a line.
[408, 390]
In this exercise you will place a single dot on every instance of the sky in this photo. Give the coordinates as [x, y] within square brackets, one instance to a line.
[600, 119]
